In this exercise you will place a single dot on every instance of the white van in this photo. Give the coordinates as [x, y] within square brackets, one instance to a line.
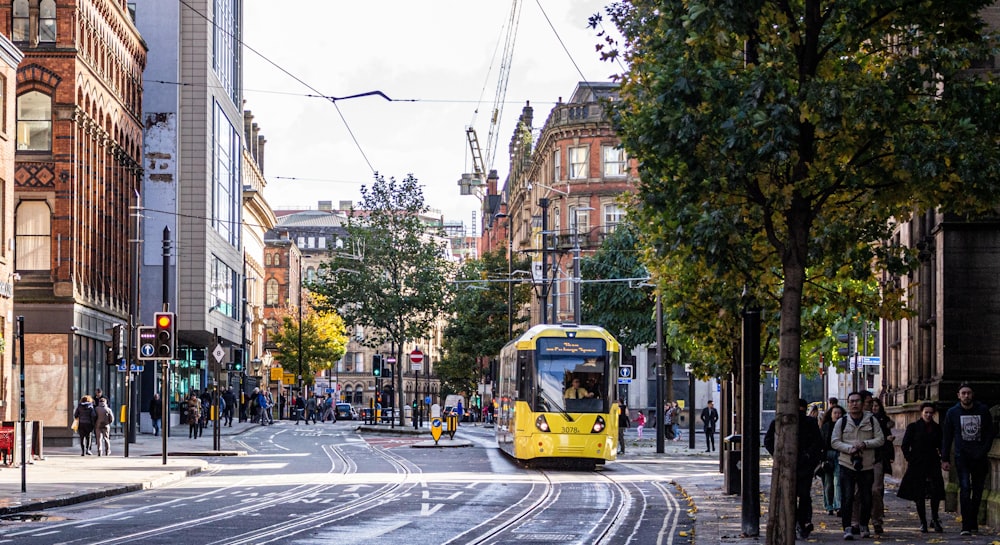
[451, 402]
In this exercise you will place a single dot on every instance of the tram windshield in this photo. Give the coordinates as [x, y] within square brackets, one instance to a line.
[572, 376]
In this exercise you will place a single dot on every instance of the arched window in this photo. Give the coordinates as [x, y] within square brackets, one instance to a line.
[47, 21]
[311, 274]
[22, 24]
[358, 394]
[34, 121]
[267, 260]
[32, 223]
[271, 292]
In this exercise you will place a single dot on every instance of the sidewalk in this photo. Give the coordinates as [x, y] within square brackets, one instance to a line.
[65, 477]
[718, 519]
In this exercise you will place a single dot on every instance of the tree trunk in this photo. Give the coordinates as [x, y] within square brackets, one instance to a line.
[781, 519]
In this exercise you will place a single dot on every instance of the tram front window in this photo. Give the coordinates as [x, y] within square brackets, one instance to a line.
[570, 383]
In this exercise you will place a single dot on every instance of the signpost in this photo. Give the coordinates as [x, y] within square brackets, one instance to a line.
[625, 374]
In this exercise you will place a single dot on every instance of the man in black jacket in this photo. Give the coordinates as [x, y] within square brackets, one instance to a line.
[810, 454]
[969, 426]
[709, 416]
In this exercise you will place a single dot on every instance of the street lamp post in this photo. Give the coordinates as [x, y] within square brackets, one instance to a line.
[510, 274]
[576, 262]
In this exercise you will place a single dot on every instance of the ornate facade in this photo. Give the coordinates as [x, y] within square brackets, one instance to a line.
[78, 172]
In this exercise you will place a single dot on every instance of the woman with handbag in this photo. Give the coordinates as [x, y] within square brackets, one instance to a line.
[830, 470]
[921, 448]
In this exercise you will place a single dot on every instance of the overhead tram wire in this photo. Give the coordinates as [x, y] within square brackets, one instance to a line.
[332, 100]
[583, 78]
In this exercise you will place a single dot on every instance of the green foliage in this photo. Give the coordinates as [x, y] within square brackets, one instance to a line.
[781, 142]
[625, 309]
[323, 341]
[478, 328]
[392, 278]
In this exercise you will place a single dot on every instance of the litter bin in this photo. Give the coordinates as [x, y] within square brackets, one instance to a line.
[731, 464]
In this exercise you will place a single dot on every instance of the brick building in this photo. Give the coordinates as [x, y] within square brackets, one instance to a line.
[10, 57]
[567, 185]
[78, 170]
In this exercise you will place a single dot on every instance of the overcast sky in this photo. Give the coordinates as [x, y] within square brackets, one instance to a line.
[443, 54]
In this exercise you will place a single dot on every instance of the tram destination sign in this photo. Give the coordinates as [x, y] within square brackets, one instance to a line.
[574, 347]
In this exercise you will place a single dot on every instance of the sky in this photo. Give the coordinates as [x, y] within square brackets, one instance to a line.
[439, 60]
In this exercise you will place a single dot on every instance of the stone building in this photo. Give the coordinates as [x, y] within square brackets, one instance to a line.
[193, 116]
[78, 171]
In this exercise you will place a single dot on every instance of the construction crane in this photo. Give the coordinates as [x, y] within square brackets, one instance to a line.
[470, 183]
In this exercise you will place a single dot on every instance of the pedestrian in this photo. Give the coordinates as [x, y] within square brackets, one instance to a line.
[809, 456]
[230, 400]
[968, 427]
[884, 457]
[206, 409]
[194, 415]
[675, 419]
[709, 416]
[263, 406]
[85, 416]
[830, 472]
[856, 436]
[268, 407]
[300, 408]
[102, 427]
[640, 422]
[311, 408]
[623, 424]
[921, 448]
[668, 422]
[156, 413]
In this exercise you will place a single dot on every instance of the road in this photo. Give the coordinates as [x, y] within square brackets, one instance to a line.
[329, 484]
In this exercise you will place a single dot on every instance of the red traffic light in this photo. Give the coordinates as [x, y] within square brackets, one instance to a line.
[163, 320]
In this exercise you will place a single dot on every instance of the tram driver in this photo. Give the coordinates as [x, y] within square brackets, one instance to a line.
[575, 391]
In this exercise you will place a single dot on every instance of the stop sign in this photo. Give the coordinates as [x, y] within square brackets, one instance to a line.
[416, 356]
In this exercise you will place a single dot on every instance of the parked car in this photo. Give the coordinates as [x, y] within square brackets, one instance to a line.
[346, 412]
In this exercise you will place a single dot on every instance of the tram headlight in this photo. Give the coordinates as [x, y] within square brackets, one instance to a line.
[599, 425]
[542, 424]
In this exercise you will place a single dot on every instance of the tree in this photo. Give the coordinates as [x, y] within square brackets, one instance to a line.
[323, 341]
[393, 280]
[479, 310]
[780, 143]
[625, 309]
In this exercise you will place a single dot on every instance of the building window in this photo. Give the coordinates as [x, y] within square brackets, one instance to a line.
[613, 215]
[22, 22]
[581, 220]
[271, 293]
[32, 236]
[225, 46]
[226, 197]
[615, 162]
[556, 166]
[578, 159]
[556, 220]
[311, 274]
[34, 121]
[223, 288]
[3, 104]
[47, 21]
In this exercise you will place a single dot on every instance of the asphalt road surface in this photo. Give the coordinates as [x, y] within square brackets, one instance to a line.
[328, 484]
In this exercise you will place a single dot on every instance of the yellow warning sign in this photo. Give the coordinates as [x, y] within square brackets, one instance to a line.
[436, 429]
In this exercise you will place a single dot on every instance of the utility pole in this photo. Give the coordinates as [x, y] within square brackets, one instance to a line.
[544, 204]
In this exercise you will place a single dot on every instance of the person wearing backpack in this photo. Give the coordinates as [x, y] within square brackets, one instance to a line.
[104, 419]
[857, 436]
[86, 417]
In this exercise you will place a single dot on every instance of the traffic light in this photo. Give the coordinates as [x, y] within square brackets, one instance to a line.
[377, 365]
[115, 349]
[166, 337]
[850, 340]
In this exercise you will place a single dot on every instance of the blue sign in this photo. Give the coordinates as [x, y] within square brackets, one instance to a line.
[147, 350]
[135, 368]
[329, 390]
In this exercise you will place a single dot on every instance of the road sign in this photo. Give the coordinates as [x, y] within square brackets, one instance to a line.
[625, 374]
[135, 368]
[219, 354]
[390, 360]
[870, 360]
[145, 347]
[416, 356]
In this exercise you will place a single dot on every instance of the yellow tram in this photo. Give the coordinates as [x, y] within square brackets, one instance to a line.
[555, 395]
